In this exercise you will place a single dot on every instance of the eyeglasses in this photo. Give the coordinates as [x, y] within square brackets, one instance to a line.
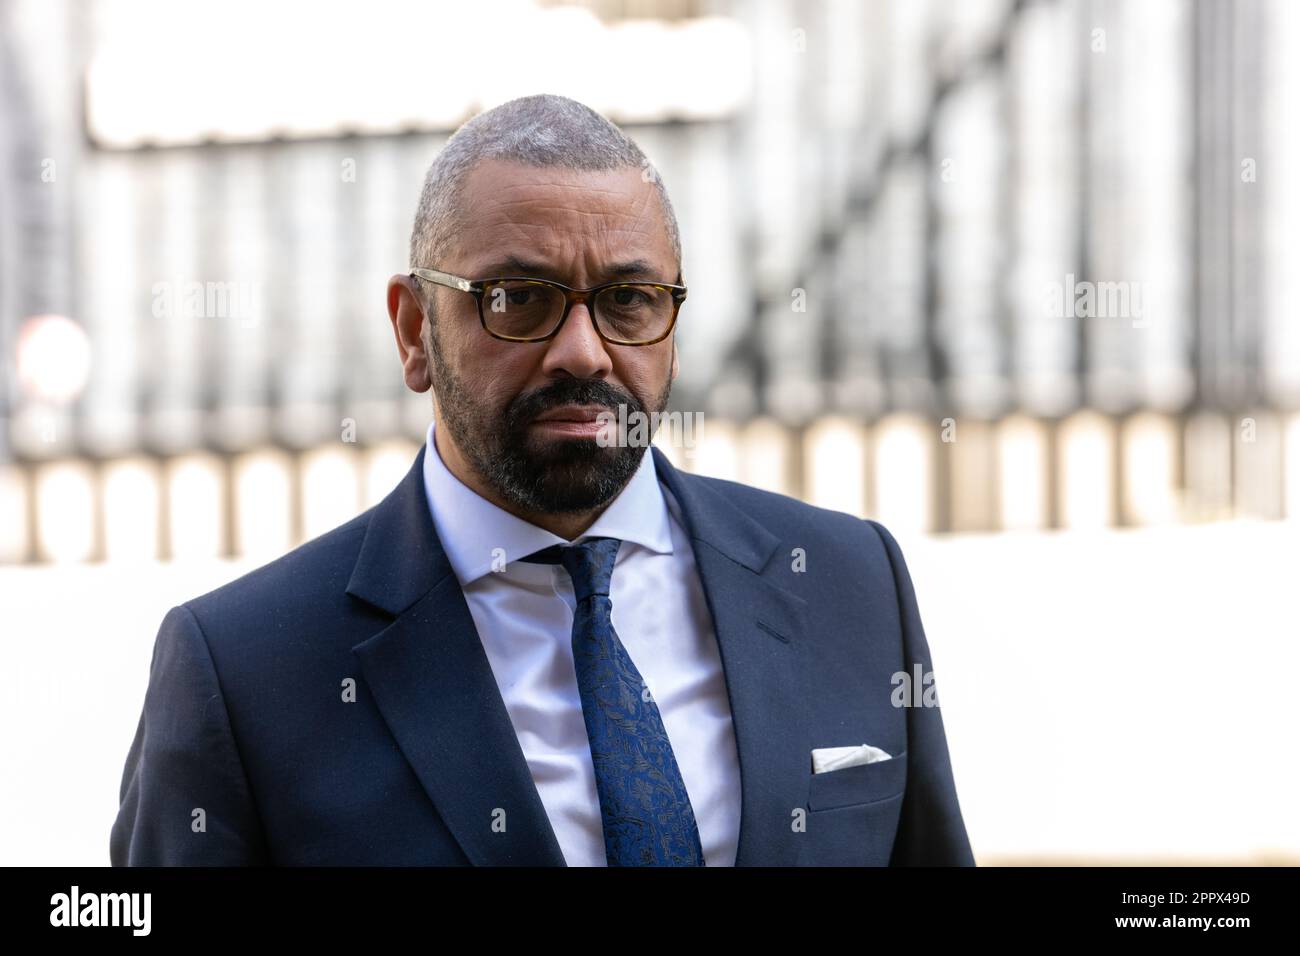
[522, 309]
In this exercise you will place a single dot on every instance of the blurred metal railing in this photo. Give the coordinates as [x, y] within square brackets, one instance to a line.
[907, 241]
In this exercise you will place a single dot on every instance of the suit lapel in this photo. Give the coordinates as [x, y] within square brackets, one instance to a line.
[434, 687]
[760, 629]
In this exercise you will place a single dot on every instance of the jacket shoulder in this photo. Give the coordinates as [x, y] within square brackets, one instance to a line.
[859, 550]
[778, 510]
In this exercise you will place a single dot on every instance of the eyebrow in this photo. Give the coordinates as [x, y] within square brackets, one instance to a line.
[518, 266]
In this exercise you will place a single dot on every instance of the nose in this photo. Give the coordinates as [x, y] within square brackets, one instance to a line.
[577, 349]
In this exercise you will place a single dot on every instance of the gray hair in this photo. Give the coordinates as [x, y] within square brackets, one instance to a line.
[542, 130]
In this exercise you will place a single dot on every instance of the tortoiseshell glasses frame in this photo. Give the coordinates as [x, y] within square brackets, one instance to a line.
[479, 288]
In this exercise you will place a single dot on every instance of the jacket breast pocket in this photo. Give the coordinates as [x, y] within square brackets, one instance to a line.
[865, 783]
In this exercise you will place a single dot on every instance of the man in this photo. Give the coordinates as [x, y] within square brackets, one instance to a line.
[546, 646]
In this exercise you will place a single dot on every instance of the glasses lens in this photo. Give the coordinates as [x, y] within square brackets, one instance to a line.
[521, 309]
[634, 312]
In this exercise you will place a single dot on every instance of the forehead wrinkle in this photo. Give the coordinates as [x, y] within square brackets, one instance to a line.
[634, 208]
[616, 190]
[582, 184]
[589, 222]
[597, 226]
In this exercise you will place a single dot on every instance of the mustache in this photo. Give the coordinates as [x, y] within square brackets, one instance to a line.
[568, 392]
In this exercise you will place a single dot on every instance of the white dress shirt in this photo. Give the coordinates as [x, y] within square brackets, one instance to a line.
[524, 615]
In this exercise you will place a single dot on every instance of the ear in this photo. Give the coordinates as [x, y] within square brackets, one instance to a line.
[406, 312]
[674, 373]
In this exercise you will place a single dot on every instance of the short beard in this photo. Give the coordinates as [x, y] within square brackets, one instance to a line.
[566, 475]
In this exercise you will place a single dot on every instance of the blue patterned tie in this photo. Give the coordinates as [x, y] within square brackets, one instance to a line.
[644, 807]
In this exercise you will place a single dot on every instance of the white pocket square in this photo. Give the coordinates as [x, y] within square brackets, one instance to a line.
[837, 758]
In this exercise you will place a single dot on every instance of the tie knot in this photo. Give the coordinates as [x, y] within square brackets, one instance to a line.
[590, 563]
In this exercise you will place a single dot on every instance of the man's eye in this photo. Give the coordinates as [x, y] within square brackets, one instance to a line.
[626, 297]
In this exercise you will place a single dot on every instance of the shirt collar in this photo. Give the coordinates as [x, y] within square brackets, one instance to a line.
[472, 529]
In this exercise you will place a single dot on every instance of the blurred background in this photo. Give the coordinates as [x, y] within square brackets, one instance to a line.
[1017, 279]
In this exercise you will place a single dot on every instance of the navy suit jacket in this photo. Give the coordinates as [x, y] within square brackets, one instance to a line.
[249, 750]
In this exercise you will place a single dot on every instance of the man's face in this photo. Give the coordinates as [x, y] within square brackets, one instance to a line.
[577, 228]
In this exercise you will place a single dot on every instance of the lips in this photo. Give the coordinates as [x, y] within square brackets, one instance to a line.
[572, 413]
